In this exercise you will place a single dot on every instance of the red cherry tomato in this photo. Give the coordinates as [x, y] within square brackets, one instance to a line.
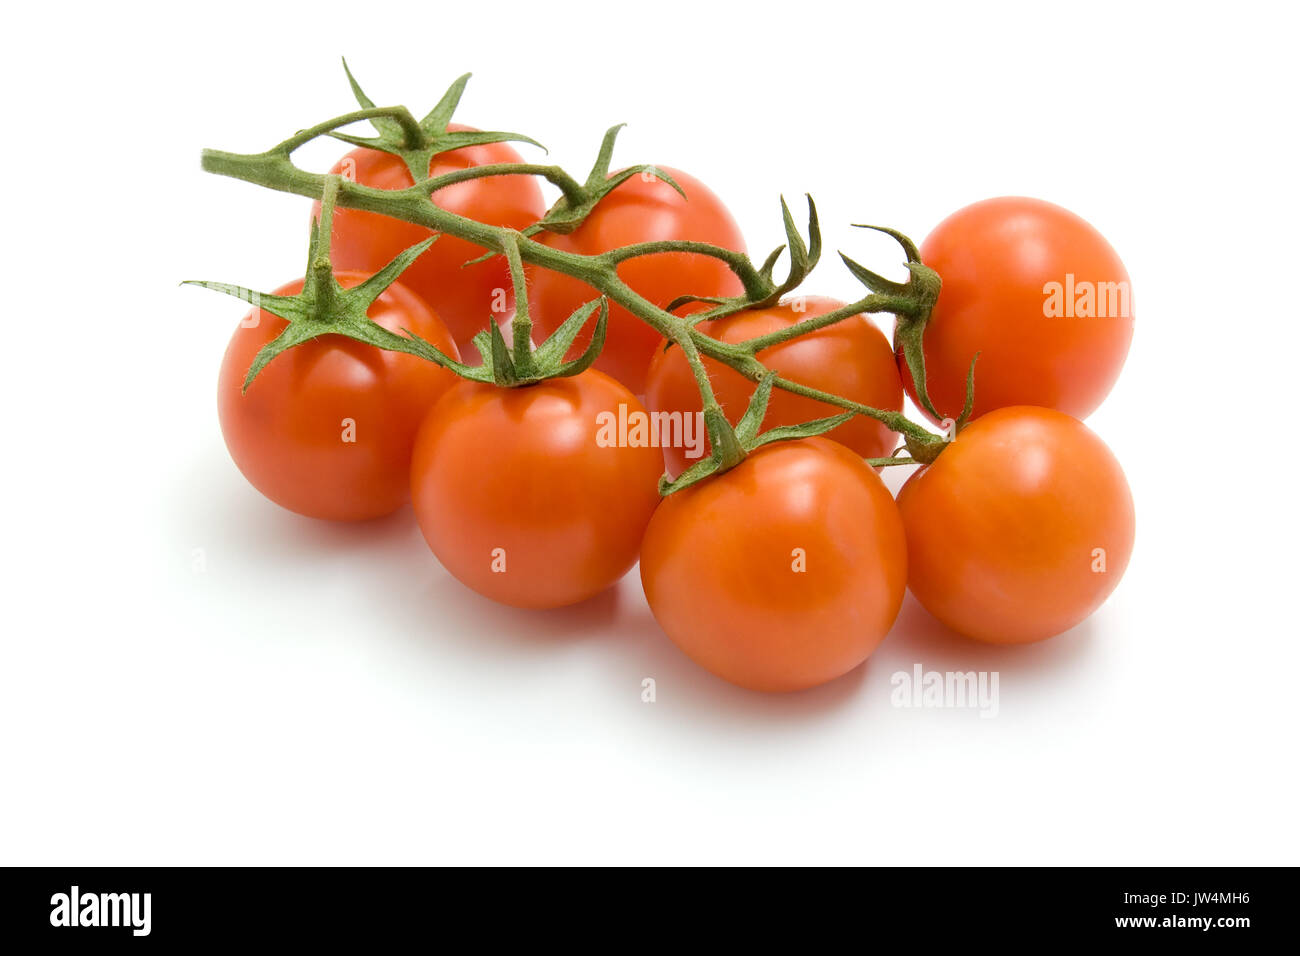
[465, 298]
[1020, 529]
[784, 572]
[326, 429]
[643, 209]
[521, 499]
[851, 358]
[1043, 298]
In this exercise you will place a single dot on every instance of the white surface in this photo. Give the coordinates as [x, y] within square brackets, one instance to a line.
[323, 694]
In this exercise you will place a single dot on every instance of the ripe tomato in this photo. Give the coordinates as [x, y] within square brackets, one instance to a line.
[326, 429]
[465, 298]
[1020, 529]
[643, 209]
[518, 497]
[851, 358]
[1003, 261]
[784, 572]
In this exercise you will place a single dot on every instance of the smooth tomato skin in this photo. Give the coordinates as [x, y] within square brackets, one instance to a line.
[286, 433]
[1002, 526]
[464, 298]
[995, 257]
[718, 559]
[851, 358]
[640, 210]
[520, 469]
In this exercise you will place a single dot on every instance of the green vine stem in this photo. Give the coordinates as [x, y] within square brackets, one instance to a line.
[910, 301]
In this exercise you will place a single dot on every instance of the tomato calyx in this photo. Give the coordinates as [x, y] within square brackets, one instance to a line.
[324, 307]
[911, 302]
[577, 200]
[731, 445]
[414, 142]
[523, 364]
[761, 289]
[575, 205]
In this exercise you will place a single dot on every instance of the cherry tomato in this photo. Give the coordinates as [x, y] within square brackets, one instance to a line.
[784, 572]
[1043, 298]
[522, 499]
[465, 298]
[1020, 529]
[851, 358]
[326, 429]
[643, 209]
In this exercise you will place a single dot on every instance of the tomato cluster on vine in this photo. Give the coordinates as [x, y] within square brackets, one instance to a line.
[770, 550]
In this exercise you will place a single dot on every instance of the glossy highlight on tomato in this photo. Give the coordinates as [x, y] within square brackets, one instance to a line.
[465, 297]
[1021, 527]
[1039, 294]
[642, 209]
[326, 429]
[782, 573]
[519, 499]
[851, 358]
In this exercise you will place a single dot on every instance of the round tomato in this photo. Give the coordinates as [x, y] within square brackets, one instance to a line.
[851, 358]
[465, 298]
[1020, 529]
[784, 572]
[1043, 298]
[526, 496]
[326, 429]
[642, 209]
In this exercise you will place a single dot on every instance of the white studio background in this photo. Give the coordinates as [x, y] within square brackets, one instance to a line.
[190, 675]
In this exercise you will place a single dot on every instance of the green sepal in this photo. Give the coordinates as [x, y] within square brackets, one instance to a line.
[569, 211]
[818, 426]
[417, 143]
[750, 422]
[588, 358]
[773, 257]
[556, 346]
[500, 363]
[908, 335]
[765, 292]
[730, 445]
[969, 405]
[324, 307]
[911, 302]
[874, 281]
[503, 366]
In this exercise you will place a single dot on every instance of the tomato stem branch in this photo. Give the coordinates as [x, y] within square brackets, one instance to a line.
[276, 170]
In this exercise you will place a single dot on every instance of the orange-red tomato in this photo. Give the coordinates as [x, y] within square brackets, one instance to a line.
[1043, 298]
[642, 209]
[784, 572]
[851, 358]
[522, 499]
[1020, 529]
[326, 429]
[465, 298]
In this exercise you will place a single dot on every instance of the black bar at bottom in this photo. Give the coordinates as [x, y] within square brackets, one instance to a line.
[382, 906]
